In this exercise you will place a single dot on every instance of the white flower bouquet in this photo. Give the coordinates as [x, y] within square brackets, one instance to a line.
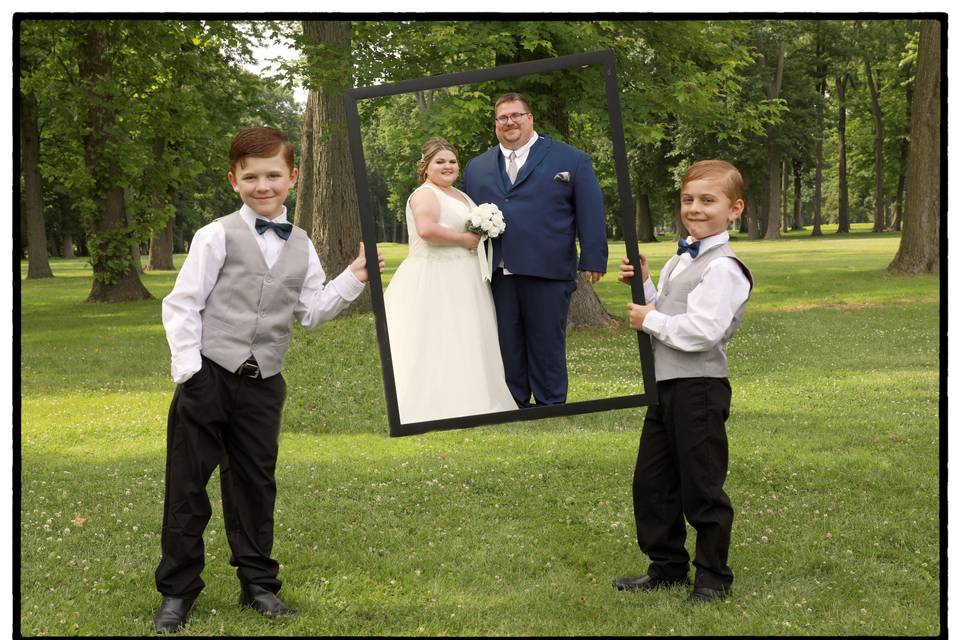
[486, 220]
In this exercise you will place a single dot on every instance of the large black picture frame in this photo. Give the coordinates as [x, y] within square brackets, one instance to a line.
[606, 60]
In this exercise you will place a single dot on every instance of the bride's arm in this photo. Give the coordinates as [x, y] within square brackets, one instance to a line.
[426, 215]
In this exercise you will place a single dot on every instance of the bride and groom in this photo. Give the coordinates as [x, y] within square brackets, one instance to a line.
[461, 346]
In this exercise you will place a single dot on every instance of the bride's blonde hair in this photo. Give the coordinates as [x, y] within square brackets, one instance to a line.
[430, 148]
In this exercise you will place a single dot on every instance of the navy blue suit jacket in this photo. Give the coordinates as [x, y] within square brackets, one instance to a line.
[544, 214]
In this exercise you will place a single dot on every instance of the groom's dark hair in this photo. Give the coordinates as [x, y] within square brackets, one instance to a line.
[512, 96]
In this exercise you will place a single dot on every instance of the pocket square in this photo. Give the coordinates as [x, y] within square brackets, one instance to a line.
[562, 176]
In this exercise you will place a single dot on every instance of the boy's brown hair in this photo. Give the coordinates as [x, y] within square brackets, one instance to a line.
[732, 180]
[259, 142]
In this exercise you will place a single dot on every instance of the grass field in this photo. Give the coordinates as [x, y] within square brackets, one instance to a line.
[511, 529]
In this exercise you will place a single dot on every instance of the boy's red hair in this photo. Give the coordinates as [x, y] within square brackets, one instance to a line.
[259, 142]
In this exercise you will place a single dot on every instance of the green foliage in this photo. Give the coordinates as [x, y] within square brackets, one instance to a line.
[170, 93]
[690, 89]
[512, 529]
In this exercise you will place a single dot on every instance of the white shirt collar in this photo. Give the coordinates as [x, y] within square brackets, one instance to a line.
[711, 241]
[522, 151]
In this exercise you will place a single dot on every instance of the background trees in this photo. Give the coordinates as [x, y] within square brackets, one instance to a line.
[125, 123]
[134, 116]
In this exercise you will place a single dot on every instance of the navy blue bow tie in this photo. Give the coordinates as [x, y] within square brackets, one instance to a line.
[693, 248]
[282, 229]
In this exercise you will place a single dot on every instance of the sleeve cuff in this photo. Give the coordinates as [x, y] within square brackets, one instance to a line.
[347, 285]
[649, 290]
[184, 365]
[654, 323]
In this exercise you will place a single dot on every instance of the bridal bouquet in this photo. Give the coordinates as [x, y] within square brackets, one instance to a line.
[487, 222]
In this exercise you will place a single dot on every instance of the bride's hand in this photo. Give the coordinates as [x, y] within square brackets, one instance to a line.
[470, 240]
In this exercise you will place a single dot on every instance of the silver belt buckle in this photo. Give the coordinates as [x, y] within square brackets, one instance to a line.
[249, 370]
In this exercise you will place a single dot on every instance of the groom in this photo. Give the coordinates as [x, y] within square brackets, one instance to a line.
[549, 196]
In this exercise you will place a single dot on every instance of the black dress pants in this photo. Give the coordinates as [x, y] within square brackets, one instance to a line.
[220, 418]
[532, 330]
[681, 467]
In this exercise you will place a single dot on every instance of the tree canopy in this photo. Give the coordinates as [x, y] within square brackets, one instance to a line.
[134, 117]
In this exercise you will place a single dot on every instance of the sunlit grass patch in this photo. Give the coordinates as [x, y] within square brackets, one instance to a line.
[512, 529]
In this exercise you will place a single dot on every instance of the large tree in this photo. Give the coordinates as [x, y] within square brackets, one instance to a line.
[328, 168]
[774, 150]
[920, 242]
[137, 116]
[39, 263]
[115, 276]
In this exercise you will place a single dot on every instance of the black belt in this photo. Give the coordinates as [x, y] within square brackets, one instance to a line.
[249, 369]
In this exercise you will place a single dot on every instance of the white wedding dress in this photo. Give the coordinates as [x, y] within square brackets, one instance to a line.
[442, 327]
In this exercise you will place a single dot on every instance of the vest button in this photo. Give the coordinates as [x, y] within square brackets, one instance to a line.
[263, 314]
[268, 280]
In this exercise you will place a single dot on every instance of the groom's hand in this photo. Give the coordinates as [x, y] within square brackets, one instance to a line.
[593, 277]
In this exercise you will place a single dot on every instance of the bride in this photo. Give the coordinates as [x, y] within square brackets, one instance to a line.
[440, 316]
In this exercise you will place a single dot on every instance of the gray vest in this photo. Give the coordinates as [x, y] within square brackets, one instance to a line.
[672, 363]
[250, 308]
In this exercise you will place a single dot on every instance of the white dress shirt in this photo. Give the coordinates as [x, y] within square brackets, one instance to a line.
[522, 153]
[710, 306]
[318, 302]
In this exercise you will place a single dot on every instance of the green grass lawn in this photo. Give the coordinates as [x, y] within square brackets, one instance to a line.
[513, 529]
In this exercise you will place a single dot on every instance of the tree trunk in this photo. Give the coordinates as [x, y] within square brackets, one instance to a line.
[38, 264]
[335, 212]
[784, 198]
[753, 225]
[774, 156]
[818, 172]
[920, 243]
[895, 223]
[843, 208]
[303, 208]
[161, 249]
[797, 196]
[586, 310]
[134, 246]
[760, 211]
[645, 231]
[67, 244]
[904, 146]
[879, 206]
[109, 242]
[898, 210]
[774, 180]
[127, 286]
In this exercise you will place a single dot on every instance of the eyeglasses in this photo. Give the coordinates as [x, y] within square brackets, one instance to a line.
[513, 117]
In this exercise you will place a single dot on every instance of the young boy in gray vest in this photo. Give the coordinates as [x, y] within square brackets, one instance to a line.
[228, 324]
[682, 460]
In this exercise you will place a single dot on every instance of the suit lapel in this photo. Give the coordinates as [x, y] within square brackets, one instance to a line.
[537, 153]
[499, 175]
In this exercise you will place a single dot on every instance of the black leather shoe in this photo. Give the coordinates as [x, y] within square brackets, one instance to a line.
[265, 602]
[172, 614]
[647, 582]
[706, 594]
